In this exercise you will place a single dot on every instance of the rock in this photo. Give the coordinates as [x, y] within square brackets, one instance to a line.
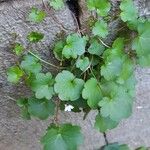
[17, 134]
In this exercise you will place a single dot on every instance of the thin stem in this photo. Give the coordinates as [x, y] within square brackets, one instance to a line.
[87, 66]
[105, 137]
[11, 98]
[56, 117]
[103, 43]
[84, 77]
[93, 73]
[48, 63]
[99, 87]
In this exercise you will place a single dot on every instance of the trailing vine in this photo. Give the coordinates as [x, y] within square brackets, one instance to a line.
[92, 75]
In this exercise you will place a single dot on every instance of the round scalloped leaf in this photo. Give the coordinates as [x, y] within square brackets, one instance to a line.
[36, 15]
[56, 4]
[101, 6]
[96, 48]
[117, 66]
[42, 108]
[31, 64]
[18, 49]
[129, 11]
[14, 74]
[141, 44]
[43, 86]
[100, 29]
[104, 123]
[92, 93]
[117, 103]
[58, 50]
[75, 46]
[83, 63]
[62, 137]
[35, 36]
[67, 86]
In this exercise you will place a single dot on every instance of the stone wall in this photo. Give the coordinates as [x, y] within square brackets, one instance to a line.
[17, 134]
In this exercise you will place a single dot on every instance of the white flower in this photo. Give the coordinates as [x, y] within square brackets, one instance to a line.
[68, 107]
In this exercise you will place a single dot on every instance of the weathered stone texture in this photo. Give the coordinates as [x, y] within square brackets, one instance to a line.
[17, 134]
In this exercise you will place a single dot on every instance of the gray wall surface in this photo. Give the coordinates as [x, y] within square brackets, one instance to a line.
[18, 134]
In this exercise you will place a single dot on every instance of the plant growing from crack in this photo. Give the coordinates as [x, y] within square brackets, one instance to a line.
[90, 76]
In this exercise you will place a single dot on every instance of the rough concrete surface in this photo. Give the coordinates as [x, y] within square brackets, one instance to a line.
[17, 134]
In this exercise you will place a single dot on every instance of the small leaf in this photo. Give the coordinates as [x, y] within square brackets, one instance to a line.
[101, 6]
[58, 50]
[116, 103]
[104, 123]
[96, 48]
[129, 11]
[23, 104]
[100, 29]
[67, 86]
[31, 65]
[14, 74]
[115, 146]
[117, 66]
[18, 49]
[56, 4]
[64, 137]
[83, 63]
[75, 46]
[35, 37]
[92, 93]
[36, 15]
[141, 44]
[42, 108]
[43, 86]
[142, 148]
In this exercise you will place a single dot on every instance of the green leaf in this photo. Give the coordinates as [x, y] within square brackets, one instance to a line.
[75, 46]
[96, 48]
[67, 86]
[56, 4]
[92, 93]
[43, 86]
[104, 123]
[112, 68]
[18, 49]
[83, 63]
[117, 66]
[116, 103]
[115, 146]
[25, 114]
[101, 6]
[64, 137]
[14, 74]
[42, 108]
[31, 64]
[141, 44]
[58, 50]
[23, 104]
[35, 37]
[129, 12]
[142, 148]
[100, 28]
[130, 85]
[36, 15]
